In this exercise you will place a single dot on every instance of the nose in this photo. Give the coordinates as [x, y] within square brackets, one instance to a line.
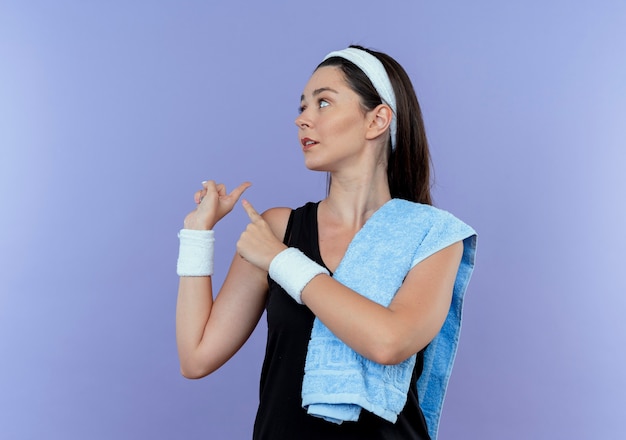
[302, 121]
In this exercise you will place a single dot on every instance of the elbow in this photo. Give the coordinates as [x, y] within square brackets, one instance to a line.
[386, 356]
[191, 374]
[391, 351]
[190, 370]
[393, 346]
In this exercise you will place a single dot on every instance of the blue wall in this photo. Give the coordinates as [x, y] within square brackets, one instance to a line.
[111, 113]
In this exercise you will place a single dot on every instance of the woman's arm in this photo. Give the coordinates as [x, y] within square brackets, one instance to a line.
[209, 332]
[387, 335]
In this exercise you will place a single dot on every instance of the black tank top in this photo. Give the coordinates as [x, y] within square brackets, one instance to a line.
[280, 415]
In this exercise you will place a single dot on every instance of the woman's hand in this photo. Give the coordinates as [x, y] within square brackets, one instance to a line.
[258, 244]
[213, 204]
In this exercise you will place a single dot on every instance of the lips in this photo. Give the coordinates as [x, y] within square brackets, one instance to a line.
[307, 143]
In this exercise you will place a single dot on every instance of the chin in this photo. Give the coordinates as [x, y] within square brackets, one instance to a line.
[316, 166]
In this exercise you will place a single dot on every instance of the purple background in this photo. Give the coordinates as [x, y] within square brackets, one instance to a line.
[111, 113]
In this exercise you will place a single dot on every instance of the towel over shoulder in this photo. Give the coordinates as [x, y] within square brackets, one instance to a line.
[339, 382]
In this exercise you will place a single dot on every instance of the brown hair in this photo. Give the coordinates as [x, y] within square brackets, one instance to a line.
[408, 168]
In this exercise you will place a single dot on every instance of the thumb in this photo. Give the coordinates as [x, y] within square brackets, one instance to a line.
[237, 192]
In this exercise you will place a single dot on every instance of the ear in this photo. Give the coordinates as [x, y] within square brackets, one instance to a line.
[379, 120]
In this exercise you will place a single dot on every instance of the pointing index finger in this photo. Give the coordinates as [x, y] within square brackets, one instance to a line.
[250, 210]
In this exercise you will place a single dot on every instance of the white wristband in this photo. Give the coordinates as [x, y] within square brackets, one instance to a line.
[195, 255]
[293, 270]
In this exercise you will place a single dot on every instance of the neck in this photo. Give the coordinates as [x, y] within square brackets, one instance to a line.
[353, 198]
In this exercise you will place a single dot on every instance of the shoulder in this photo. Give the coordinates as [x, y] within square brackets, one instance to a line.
[433, 229]
[277, 219]
[425, 214]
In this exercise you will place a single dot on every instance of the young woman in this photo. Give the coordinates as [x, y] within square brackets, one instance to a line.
[355, 286]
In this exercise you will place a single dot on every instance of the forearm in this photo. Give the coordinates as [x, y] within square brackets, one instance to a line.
[193, 308]
[374, 331]
[206, 334]
[209, 332]
[389, 335]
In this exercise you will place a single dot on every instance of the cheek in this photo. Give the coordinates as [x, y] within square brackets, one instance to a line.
[344, 126]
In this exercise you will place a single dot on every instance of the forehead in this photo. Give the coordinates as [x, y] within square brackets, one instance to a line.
[327, 76]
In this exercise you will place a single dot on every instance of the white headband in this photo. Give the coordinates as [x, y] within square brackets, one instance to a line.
[375, 71]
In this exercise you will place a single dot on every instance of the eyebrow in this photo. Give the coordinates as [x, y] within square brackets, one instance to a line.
[320, 90]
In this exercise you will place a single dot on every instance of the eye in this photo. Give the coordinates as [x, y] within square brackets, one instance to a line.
[301, 109]
[323, 103]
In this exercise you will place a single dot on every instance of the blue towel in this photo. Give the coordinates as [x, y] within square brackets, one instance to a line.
[338, 382]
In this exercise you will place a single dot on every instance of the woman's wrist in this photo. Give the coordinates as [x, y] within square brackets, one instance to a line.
[195, 254]
[197, 225]
[293, 270]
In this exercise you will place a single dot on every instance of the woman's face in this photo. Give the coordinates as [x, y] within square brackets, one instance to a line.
[332, 123]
